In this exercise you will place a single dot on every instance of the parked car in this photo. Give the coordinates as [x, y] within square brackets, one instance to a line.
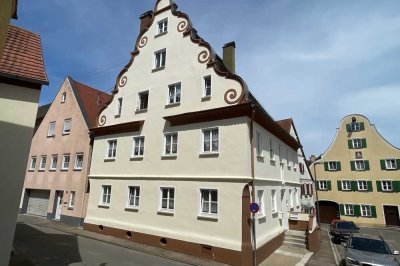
[341, 230]
[364, 249]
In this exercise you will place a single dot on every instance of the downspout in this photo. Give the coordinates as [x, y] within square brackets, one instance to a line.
[253, 191]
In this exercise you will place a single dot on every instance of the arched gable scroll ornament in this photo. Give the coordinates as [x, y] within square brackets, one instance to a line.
[204, 56]
[231, 96]
[182, 26]
[102, 120]
[143, 42]
[122, 82]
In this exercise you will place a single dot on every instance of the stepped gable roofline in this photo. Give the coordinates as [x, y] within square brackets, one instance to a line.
[22, 58]
[90, 100]
[208, 55]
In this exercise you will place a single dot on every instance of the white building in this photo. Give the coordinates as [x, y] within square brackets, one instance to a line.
[183, 148]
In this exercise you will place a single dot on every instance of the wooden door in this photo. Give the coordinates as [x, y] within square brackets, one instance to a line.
[391, 215]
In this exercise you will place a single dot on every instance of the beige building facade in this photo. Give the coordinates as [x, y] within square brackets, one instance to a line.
[183, 148]
[358, 176]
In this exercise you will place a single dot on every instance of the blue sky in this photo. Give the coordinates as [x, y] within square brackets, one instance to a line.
[313, 60]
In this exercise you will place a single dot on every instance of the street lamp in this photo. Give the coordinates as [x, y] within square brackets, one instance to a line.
[316, 191]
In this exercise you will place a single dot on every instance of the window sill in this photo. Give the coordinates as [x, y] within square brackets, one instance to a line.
[104, 205]
[31, 170]
[261, 216]
[132, 208]
[64, 169]
[51, 136]
[272, 160]
[209, 154]
[66, 133]
[387, 191]
[117, 116]
[260, 156]
[170, 105]
[168, 156]
[166, 212]
[77, 169]
[140, 111]
[206, 98]
[70, 207]
[109, 159]
[41, 170]
[157, 69]
[160, 34]
[207, 217]
[52, 170]
[136, 158]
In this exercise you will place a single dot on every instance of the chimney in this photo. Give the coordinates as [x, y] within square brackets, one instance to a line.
[145, 20]
[312, 158]
[229, 56]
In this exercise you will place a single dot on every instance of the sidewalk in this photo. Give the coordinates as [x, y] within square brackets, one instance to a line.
[326, 254]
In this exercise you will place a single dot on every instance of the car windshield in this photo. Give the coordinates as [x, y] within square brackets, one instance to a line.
[346, 225]
[371, 245]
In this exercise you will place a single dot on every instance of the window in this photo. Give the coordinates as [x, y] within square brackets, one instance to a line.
[296, 197]
[357, 143]
[71, 201]
[387, 186]
[111, 149]
[209, 201]
[78, 161]
[65, 162]
[33, 163]
[138, 147]
[53, 164]
[390, 164]
[51, 130]
[143, 101]
[273, 201]
[133, 196]
[105, 194]
[260, 201]
[210, 140]
[207, 86]
[171, 144]
[259, 143]
[346, 185]
[332, 166]
[43, 163]
[67, 126]
[63, 97]
[360, 165]
[323, 185]
[349, 209]
[280, 154]
[160, 58]
[271, 150]
[167, 199]
[118, 110]
[366, 210]
[290, 198]
[358, 155]
[162, 26]
[174, 93]
[355, 126]
[362, 185]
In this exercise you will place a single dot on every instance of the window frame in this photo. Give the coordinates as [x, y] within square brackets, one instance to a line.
[76, 167]
[355, 126]
[159, 63]
[63, 97]
[368, 210]
[113, 149]
[71, 200]
[388, 183]
[362, 166]
[140, 140]
[208, 214]
[140, 101]
[107, 195]
[261, 202]
[167, 210]
[32, 165]
[210, 130]
[357, 143]
[136, 195]
[64, 160]
[175, 99]
[331, 164]
[206, 87]
[323, 188]
[274, 207]
[52, 162]
[348, 211]
[43, 162]
[164, 29]
[259, 142]
[171, 136]
[67, 130]
[118, 109]
[271, 150]
[360, 185]
[392, 166]
[51, 132]
[346, 187]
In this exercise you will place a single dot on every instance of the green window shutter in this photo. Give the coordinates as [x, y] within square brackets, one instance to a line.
[364, 143]
[329, 185]
[366, 162]
[373, 211]
[339, 167]
[353, 165]
[379, 186]
[350, 143]
[348, 127]
[383, 165]
[357, 210]
[398, 164]
[396, 186]
[362, 127]
[326, 166]
[341, 207]
[339, 185]
[354, 186]
[317, 185]
[369, 186]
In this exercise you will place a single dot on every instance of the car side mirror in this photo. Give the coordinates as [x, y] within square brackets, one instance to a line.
[396, 252]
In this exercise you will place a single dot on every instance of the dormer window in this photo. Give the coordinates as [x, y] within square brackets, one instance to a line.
[63, 97]
[162, 26]
[159, 60]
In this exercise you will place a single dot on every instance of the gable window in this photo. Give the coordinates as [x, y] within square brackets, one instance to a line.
[133, 196]
[349, 209]
[358, 155]
[174, 93]
[346, 185]
[32, 166]
[78, 161]
[167, 199]
[71, 202]
[159, 59]
[355, 126]
[111, 149]
[210, 140]
[362, 185]
[43, 163]
[273, 201]
[366, 210]
[105, 194]
[171, 143]
[360, 165]
[260, 201]
[209, 201]
[65, 162]
[138, 146]
[118, 110]
[143, 100]
[259, 143]
[67, 126]
[387, 185]
[162, 26]
[53, 164]
[63, 97]
[332, 166]
[52, 129]
[390, 164]
[357, 143]
[207, 86]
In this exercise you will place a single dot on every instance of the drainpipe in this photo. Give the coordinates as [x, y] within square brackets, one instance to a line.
[253, 191]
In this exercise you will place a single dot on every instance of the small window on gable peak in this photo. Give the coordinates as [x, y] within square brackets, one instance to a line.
[162, 27]
[207, 86]
[63, 97]
[159, 59]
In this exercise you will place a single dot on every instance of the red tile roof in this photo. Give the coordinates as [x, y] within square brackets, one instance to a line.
[90, 100]
[22, 57]
[286, 124]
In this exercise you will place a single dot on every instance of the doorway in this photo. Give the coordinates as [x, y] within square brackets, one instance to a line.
[391, 215]
[59, 196]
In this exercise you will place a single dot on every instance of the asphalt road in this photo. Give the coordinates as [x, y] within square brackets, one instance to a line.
[49, 247]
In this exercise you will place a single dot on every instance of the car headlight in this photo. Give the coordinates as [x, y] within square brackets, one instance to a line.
[352, 261]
